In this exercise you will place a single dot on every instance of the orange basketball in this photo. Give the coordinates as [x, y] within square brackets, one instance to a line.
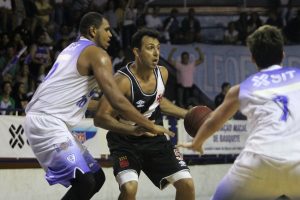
[194, 119]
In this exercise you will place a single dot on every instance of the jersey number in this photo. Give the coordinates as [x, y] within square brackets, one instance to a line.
[282, 101]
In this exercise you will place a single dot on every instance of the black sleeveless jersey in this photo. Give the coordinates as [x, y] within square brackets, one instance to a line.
[147, 104]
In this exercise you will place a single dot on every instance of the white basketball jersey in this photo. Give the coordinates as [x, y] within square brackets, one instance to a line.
[65, 93]
[270, 99]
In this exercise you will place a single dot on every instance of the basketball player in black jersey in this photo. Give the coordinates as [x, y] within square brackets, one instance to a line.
[143, 83]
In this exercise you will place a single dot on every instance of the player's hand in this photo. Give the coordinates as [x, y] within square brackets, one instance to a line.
[160, 130]
[191, 146]
[141, 131]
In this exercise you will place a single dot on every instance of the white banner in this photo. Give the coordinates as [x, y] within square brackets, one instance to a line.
[13, 143]
[229, 140]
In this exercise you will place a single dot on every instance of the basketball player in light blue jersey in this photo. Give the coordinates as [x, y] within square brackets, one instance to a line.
[60, 103]
[269, 165]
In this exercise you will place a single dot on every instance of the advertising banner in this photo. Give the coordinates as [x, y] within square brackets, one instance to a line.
[13, 144]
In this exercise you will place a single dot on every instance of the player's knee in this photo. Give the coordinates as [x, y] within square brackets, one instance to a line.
[129, 189]
[186, 185]
[100, 179]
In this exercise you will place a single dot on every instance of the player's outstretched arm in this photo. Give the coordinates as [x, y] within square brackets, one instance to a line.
[216, 120]
[106, 118]
[168, 108]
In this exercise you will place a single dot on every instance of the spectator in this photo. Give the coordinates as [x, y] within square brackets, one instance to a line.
[10, 61]
[220, 97]
[292, 30]
[111, 16]
[253, 23]
[5, 15]
[19, 12]
[58, 14]
[191, 27]
[274, 19]
[141, 10]
[231, 35]
[25, 31]
[185, 68]
[23, 76]
[6, 101]
[128, 25]
[20, 97]
[242, 27]
[40, 57]
[44, 9]
[172, 30]
[153, 20]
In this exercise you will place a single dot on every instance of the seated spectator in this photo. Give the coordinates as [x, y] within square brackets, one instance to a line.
[231, 35]
[191, 27]
[5, 16]
[20, 97]
[242, 27]
[172, 28]
[274, 19]
[44, 9]
[40, 58]
[128, 25]
[9, 63]
[153, 19]
[253, 23]
[6, 101]
[220, 97]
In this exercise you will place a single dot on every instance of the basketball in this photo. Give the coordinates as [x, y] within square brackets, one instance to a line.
[194, 119]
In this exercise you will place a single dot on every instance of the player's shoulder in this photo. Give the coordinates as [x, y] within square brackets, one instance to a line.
[95, 51]
[122, 77]
[163, 71]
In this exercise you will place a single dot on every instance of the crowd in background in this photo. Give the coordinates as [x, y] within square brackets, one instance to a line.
[33, 32]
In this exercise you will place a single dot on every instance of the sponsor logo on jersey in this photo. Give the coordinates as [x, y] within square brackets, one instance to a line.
[140, 103]
[267, 79]
[71, 158]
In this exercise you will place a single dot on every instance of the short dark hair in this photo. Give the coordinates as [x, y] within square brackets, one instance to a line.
[266, 46]
[88, 20]
[136, 40]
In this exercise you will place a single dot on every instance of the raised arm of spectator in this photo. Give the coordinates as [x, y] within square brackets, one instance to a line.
[200, 56]
[170, 57]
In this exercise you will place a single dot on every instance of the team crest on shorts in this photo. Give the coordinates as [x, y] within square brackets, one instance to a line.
[71, 158]
[123, 161]
[178, 155]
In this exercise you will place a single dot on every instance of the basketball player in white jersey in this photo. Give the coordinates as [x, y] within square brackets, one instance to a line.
[269, 165]
[60, 103]
[143, 83]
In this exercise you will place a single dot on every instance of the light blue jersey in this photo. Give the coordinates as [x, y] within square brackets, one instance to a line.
[60, 102]
[65, 93]
[270, 100]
